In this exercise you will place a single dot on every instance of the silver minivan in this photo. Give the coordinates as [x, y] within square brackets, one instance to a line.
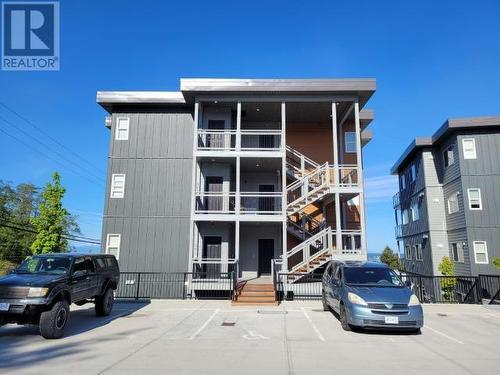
[370, 295]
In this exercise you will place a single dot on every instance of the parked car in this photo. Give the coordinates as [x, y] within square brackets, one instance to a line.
[370, 295]
[42, 288]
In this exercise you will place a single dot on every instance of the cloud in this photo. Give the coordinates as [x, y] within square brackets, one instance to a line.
[380, 188]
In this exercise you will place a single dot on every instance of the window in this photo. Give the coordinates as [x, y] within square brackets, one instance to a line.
[480, 252]
[413, 173]
[448, 156]
[474, 199]
[113, 244]
[350, 142]
[402, 180]
[414, 212]
[418, 252]
[408, 252]
[122, 126]
[457, 252]
[405, 216]
[453, 203]
[117, 186]
[469, 147]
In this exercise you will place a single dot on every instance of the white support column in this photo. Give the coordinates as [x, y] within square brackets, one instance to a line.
[360, 177]
[338, 223]
[237, 247]
[283, 185]
[237, 203]
[193, 184]
[238, 126]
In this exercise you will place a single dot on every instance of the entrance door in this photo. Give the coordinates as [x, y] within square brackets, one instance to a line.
[266, 203]
[266, 253]
[213, 185]
[211, 250]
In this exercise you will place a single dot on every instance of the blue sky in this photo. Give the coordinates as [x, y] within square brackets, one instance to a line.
[432, 60]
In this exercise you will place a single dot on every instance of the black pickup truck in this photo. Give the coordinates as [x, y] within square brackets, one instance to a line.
[41, 289]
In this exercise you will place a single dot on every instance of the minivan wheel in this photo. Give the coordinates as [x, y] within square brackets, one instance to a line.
[104, 303]
[53, 322]
[343, 319]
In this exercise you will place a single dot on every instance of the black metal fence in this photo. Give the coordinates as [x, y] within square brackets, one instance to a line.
[176, 285]
[298, 286]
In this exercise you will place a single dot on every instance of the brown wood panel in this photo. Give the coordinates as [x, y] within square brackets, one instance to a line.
[313, 140]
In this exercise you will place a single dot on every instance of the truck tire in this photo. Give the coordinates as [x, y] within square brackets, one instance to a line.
[53, 322]
[104, 303]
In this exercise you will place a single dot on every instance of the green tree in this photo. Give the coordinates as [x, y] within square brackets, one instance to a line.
[17, 205]
[390, 258]
[496, 262]
[447, 268]
[52, 222]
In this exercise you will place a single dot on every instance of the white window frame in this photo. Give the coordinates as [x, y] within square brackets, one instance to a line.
[404, 217]
[108, 240]
[472, 154]
[418, 252]
[446, 156]
[460, 252]
[408, 252]
[448, 201]
[476, 252]
[413, 173]
[122, 125]
[117, 191]
[402, 178]
[413, 209]
[480, 201]
[349, 143]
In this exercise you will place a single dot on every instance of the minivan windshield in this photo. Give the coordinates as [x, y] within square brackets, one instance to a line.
[45, 265]
[372, 276]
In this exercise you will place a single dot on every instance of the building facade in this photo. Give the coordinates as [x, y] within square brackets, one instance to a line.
[448, 202]
[237, 175]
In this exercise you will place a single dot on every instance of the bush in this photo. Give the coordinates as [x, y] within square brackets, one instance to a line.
[496, 262]
[390, 258]
[6, 267]
[447, 268]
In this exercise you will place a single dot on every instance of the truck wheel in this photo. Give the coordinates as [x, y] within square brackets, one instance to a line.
[53, 322]
[343, 319]
[104, 303]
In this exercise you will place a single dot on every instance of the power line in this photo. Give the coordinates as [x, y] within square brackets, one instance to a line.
[51, 149]
[51, 138]
[49, 157]
[14, 225]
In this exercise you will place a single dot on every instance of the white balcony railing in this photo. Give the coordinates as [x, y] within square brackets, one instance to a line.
[260, 140]
[215, 203]
[250, 203]
[261, 203]
[217, 140]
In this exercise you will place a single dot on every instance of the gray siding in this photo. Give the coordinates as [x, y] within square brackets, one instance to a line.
[153, 217]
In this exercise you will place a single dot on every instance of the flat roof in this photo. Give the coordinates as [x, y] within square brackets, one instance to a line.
[450, 125]
[190, 87]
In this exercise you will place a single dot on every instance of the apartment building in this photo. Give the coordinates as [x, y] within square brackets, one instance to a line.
[448, 202]
[237, 175]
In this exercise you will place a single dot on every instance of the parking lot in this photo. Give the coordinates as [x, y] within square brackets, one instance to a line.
[213, 337]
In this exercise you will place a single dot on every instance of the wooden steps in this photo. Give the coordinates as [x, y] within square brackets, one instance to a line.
[256, 294]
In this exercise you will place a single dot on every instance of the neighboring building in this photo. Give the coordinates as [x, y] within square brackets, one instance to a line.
[228, 174]
[449, 198]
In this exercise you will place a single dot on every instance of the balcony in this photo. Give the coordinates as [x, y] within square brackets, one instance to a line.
[251, 203]
[398, 231]
[261, 203]
[248, 140]
[396, 200]
[215, 203]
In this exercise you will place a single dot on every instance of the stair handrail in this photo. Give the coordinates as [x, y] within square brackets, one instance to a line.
[308, 242]
[301, 156]
[324, 182]
[307, 176]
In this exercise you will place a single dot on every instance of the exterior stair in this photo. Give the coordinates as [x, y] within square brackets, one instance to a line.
[255, 294]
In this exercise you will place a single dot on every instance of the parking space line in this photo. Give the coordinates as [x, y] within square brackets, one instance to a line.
[313, 326]
[444, 335]
[207, 322]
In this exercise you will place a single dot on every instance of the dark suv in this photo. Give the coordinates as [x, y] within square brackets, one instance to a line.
[41, 289]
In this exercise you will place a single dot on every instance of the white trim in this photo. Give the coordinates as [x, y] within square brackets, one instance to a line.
[479, 199]
[473, 153]
[117, 246]
[117, 188]
[413, 209]
[353, 143]
[476, 252]
[419, 252]
[413, 173]
[455, 194]
[446, 155]
[122, 125]
[460, 252]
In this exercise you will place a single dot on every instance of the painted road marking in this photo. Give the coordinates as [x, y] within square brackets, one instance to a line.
[313, 326]
[253, 335]
[444, 335]
[207, 322]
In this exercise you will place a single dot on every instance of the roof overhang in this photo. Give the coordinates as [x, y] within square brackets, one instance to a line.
[109, 99]
[366, 116]
[366, 137]
[450, 126]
